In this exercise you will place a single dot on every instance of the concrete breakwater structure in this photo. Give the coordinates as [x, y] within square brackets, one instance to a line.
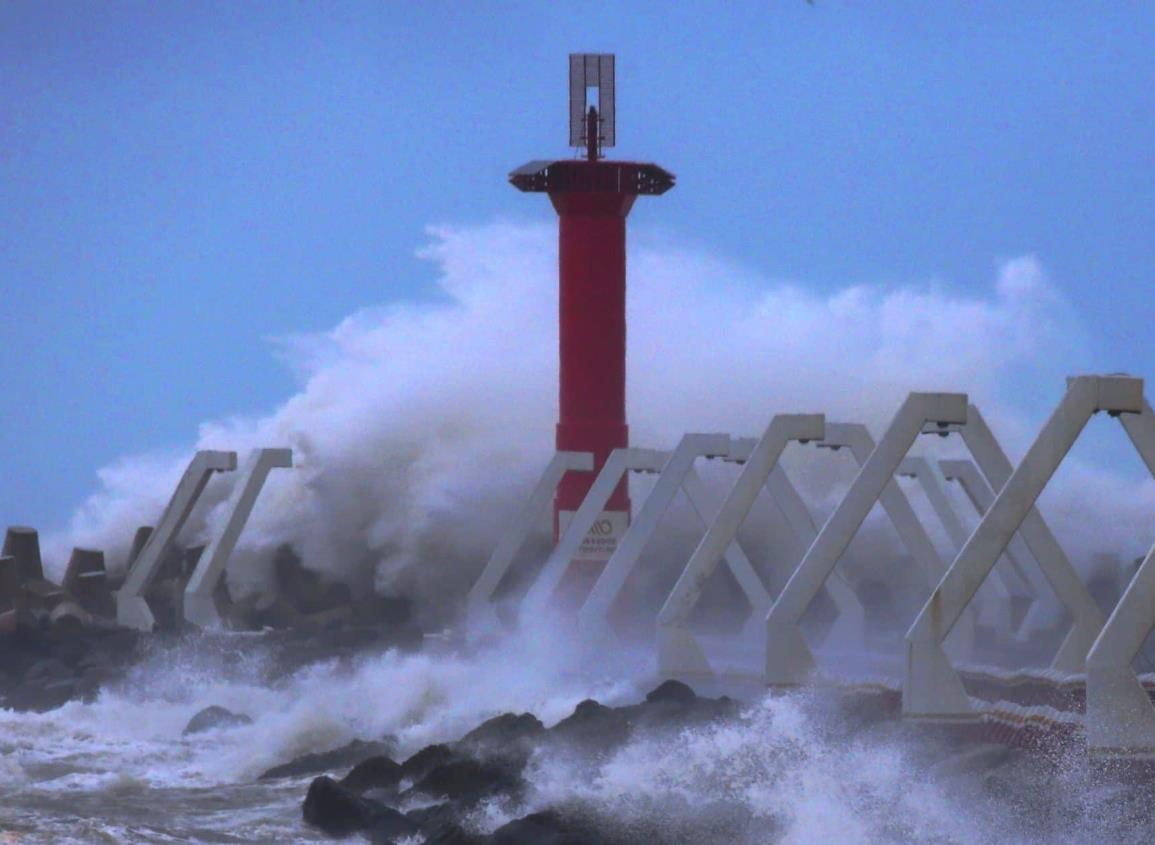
[1028, 644]
[1024, 630]
[1021, 609]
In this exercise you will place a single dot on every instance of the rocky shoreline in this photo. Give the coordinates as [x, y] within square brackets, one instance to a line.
[429, 797]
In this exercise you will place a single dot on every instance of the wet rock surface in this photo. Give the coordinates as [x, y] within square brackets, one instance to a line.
[213, 718]
[42, 668]
[352, 754]
[439, 789]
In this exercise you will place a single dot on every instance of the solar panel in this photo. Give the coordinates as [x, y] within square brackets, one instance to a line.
[586, 71]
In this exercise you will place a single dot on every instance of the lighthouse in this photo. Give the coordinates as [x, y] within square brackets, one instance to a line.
[592, 196]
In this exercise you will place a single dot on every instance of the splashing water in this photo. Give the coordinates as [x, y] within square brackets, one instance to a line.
[419, 428]
[790, 770]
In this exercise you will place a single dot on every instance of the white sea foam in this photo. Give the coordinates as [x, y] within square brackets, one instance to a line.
[790, 770]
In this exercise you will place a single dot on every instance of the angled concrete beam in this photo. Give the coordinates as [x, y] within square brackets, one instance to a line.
[678, 650]
[789, 661]
[1120, 716]
[979, 493]
[1054, 565]
[995, 609]
[131, 608]
[911, 532]
[849, 625]
[932, 687]
[677, 474]
[199, 606]
[619, 462]
[856, 438]
[921, 471]
[480, 614]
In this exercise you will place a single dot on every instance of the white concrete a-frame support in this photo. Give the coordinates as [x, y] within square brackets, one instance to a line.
[1041, 613]
[932, 687]
[199, 605]
[1054, 567]
[619, 462]
[979, 493]
[789, 661]
[679, 654]
[911, 533]
[1120, 716]
[131, 608]
[995, 609]
[677, 474]
[849, 625]
[481, 617]
[856, 437]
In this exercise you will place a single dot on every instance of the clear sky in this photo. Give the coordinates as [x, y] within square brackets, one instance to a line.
[183, 182]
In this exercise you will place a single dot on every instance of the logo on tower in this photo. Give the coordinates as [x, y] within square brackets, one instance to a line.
[601, 541]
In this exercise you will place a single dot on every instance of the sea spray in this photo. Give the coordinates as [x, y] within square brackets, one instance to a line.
[420, 427]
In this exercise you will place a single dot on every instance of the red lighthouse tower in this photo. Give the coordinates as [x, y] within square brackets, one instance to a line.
[592, 197]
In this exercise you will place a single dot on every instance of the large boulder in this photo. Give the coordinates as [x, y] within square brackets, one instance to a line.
[377, 772]
[592, 727]
[42, 695]
[545, 828]
[214, 718]
[467, 780]
[674, 692]
[326, 761]
[426, 760]
[339, 811]
[501, 733]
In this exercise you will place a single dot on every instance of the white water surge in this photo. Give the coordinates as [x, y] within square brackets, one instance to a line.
[790, 770]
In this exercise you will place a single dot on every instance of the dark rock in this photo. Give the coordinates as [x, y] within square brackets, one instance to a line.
[434, 816]
[388, 826]
[504, 730]
[452, 834]
[672, 691]
[338, 758]
[340, 811]
[41, 696]
[547, 828]
[50, 669]
[120, 641]
[592, 727]
[213, 717]
[330, 619]
[439, 822]
[383, 610]
[277, 612]
[378, 772]
[336, 810]
[468, 780]
[71, 647]
[426, 760]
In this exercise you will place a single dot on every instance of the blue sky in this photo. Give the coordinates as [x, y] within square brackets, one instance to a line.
[184, 182]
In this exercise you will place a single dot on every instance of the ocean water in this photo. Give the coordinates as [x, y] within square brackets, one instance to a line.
[791, 770]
